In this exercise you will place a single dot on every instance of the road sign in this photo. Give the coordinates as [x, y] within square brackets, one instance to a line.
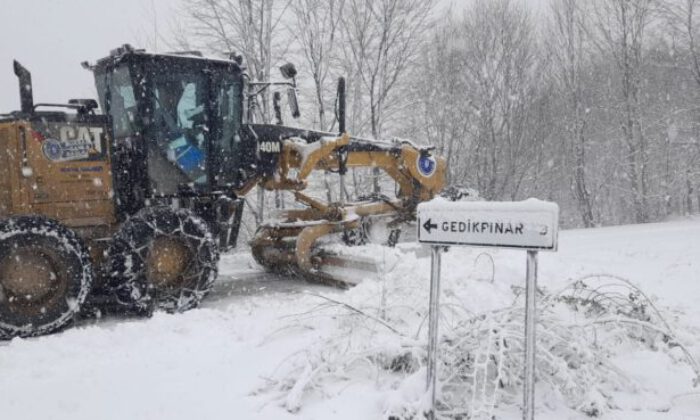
[530, 224]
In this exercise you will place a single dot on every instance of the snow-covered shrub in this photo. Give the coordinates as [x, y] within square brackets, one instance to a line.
[381, 327]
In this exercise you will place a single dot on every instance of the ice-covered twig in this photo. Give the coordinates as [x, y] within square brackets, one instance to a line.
[358, 311]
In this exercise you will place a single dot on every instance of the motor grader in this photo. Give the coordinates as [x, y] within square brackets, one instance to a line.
[131, 207]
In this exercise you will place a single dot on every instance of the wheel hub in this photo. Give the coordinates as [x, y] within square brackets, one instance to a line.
[27, 275]
[168, 259]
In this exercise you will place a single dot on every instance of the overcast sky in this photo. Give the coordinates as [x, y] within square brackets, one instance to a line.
[52, 38]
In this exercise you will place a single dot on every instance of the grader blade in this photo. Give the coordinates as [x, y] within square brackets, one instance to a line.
[311, 251]
[346, 270]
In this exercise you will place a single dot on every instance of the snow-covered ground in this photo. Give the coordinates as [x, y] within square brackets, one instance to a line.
[233, 358]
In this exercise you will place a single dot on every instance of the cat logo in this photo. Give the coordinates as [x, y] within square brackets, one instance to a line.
[270, 146]
[74, 143]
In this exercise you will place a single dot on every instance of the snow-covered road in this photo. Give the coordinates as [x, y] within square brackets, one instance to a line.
[214, 362]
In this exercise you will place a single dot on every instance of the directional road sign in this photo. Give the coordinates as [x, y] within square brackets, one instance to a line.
[530, 224]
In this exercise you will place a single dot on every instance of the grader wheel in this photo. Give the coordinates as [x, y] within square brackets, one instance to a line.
[45, 276]
[162, 258]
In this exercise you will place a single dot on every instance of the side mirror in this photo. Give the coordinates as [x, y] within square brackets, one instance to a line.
[293, 102]
[288, 71]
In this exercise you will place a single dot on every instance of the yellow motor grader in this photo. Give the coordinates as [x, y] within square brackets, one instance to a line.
[132, 207]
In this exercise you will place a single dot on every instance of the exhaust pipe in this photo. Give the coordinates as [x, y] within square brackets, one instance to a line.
[26, 96]
[342, 153]
[341, 105]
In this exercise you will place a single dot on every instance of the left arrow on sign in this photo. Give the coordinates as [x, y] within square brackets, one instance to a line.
[429, 226]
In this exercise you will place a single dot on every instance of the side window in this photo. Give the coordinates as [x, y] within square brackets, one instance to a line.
[127, 95]
[227, 143]
[228, 113]
[123, 103]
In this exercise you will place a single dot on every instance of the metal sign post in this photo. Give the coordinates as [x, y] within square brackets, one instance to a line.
[530, 225]
[530, 326]
[433, 315]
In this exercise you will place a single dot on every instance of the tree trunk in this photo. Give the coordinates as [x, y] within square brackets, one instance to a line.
[582, 195]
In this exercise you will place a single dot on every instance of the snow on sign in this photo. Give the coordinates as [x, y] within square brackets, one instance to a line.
[530, 224]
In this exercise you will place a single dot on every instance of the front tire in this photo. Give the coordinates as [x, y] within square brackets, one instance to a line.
[162, 258]
[45, 276]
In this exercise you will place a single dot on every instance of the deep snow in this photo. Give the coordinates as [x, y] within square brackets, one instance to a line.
[216, 362]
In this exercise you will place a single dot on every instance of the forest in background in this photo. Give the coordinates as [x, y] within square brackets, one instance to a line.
[591, 104]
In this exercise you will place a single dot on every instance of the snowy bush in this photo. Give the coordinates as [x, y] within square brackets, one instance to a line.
[381, 327]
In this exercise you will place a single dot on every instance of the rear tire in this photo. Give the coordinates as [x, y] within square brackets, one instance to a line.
[162, 258]
[45, 276]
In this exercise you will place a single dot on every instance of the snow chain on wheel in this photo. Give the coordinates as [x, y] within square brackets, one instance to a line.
[45, 276]
[162, 258]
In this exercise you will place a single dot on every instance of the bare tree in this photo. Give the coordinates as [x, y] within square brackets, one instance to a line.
[622, 25]
[568, 44]
[381, 38]
[443, 117]
[502, 81]
[247, 27]
[683, 17]
[316, 25]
